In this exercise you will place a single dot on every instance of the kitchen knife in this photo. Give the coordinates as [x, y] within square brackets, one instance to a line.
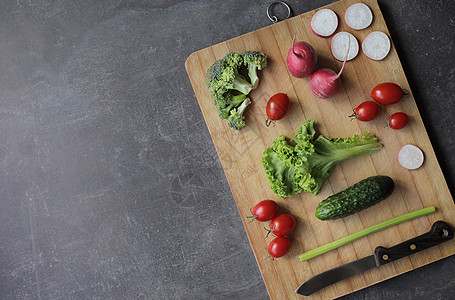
[440, 232]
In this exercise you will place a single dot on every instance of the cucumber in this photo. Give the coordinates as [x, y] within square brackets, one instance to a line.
[361, 195]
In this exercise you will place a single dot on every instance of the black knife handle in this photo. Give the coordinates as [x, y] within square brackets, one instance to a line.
[440, 232]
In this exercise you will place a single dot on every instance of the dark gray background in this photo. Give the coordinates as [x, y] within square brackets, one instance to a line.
[110, 186]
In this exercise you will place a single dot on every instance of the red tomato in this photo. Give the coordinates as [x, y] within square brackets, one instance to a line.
[279, 246]
[277, 106]
[264, 211]
[282, 225]
[366, 111]
[387, 93]
[398, 120]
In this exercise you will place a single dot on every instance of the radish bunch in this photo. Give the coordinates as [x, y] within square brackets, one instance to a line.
[301, 58]
[301, 61]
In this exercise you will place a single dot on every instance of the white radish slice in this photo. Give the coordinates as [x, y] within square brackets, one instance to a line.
[340, 44]
[410, 157]
[358, 16]
[324, 22]
[376, 45]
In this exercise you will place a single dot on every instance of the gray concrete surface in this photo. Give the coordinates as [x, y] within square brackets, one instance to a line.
[110, 185]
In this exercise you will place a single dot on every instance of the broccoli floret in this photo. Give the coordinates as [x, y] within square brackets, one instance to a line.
[236, 119]
[233, 59]
[226, 102]
[213, 73]
[224, 74]
[255, 61]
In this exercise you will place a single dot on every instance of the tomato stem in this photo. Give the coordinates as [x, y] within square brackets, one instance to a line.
[270, 255]
[269, 231]
[388, 122]
[268, 122]
[354, 115]
[252, 218]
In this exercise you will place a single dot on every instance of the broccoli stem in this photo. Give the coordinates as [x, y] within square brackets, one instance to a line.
[236, 100]
[243, 106]
[241, 84]
[253, 74]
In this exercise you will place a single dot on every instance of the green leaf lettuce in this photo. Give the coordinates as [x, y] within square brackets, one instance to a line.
[306, 162]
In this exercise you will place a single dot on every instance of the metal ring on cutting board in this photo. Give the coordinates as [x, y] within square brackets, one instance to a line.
[274, 19]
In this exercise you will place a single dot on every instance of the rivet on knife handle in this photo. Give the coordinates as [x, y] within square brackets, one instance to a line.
[439, 233]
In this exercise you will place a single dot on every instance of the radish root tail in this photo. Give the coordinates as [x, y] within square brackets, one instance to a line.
[345, 59]
[302, 52]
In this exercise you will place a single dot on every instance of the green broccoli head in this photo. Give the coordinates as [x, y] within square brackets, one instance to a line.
[236, 118]
[254, 60]
[225, 82]
[224, 75]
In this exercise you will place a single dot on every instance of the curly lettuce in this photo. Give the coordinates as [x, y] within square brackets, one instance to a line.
[306, 162]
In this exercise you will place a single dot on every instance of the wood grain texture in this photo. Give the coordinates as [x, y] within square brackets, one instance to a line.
[240, 153]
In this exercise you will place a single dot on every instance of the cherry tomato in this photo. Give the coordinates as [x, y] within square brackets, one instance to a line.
[264, 211]
[398, 120]
[277, 106]
[387, 93]
[279, 246]
[282, 225]
[366, 111]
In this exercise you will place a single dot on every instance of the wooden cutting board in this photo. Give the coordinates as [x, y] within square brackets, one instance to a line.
[240, 153]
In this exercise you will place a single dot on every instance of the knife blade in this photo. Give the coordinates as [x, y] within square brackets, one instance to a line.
[440, 232]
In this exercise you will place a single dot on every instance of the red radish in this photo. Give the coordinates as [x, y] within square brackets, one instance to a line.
[324, 22]
[358, 16]
[410, 157]
[301, 59]
[376, 45]
[325, 83]
[339, 46]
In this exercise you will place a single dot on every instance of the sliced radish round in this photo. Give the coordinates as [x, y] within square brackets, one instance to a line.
[410, 157]
[358, 16]
[324, 22]
[340, 43]
[376, 45]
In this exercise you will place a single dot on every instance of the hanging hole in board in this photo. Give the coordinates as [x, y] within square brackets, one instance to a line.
[281, 7]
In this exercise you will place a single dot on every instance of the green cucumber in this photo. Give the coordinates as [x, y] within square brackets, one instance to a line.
[361, 195]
